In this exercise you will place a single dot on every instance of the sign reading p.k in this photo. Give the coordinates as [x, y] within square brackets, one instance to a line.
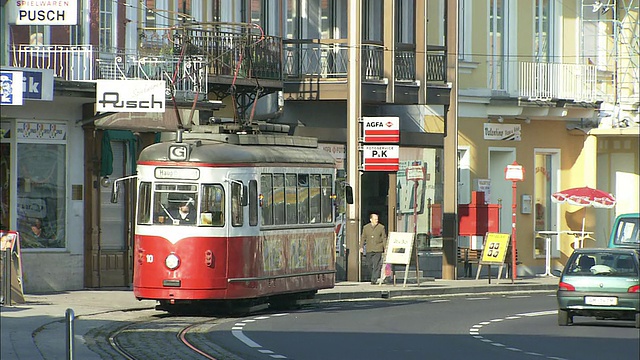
[381, 157]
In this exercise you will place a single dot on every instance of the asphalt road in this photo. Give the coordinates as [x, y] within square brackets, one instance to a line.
[484, 327]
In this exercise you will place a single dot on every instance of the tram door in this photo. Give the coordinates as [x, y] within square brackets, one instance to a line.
[112, 262]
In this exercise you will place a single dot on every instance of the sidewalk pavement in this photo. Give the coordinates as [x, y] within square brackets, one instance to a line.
[38, 328]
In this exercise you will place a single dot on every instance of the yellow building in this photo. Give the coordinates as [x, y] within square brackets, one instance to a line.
[552, 85]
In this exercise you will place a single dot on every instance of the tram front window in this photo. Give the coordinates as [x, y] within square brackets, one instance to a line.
[175, 204]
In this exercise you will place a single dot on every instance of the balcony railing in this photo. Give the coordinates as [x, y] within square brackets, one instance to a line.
[238, 53]
[311, 58]
[69, 62]
[546, 81]
[185, 76]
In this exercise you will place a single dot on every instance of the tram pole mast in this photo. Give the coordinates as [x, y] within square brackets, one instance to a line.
[353, 154]
[450, 200]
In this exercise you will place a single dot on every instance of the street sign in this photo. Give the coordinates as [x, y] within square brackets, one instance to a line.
[381, 157]
[415, 172]
[385, 129]
[514, 172]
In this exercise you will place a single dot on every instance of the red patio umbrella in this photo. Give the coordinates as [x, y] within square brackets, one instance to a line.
[585, 197]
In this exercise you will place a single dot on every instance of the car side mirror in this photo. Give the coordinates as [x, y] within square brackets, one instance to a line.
[556, 272]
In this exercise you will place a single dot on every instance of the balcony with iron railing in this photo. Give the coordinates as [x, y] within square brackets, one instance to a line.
[544, 81]
[324, 59]
[209, 56]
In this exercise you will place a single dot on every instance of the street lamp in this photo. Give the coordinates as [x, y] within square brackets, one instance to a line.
[513, 173]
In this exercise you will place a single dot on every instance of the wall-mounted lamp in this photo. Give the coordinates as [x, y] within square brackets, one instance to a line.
[105, 182]
[527, 120]
[500, 119]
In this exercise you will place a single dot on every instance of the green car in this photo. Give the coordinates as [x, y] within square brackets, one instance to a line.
[603, 283]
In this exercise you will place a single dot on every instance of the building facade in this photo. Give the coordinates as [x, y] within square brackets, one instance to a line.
[550, 84]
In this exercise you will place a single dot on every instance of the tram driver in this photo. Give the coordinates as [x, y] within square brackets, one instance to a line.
[185, 214]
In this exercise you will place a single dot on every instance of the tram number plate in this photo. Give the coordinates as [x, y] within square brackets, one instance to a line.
[601, 300]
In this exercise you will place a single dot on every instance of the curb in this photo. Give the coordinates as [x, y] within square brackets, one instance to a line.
[390, 293]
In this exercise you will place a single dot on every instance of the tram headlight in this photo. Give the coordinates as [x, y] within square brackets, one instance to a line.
[172, 261]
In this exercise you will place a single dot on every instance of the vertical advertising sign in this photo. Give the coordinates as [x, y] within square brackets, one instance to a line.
[11, 82]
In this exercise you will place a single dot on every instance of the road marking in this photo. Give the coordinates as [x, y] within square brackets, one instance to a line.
[242, 337]
[540, 313]
[236, 331]
[474, 331]
[479, 298]
[440, 301]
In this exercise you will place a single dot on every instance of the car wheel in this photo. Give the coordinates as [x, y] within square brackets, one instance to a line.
[637, 320]
[564, 318]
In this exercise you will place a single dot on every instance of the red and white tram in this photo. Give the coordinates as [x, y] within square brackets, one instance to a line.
[263, 229]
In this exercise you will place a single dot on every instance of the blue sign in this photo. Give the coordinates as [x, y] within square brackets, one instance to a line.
[37, 84]
[11, 82]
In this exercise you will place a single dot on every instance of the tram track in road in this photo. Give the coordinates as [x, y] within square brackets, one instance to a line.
[169, 337]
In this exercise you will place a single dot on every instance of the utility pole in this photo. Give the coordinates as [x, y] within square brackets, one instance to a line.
[354, 110]
[450, 205]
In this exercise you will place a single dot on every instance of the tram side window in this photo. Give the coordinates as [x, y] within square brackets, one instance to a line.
[144, 203]
[314, 198]
[253, 203]
[266, 186]
[237, 210]
[303, 198]
[278, 199]
[327, 204]
[212, 205]
[290, 187]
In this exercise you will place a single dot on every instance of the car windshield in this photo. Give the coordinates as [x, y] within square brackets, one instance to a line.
[602, 263]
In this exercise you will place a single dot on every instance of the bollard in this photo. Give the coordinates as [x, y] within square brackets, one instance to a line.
[70, 317]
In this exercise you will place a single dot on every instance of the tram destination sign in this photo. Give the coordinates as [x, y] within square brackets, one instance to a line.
[380, 157]
[384, 129]
[177, 173]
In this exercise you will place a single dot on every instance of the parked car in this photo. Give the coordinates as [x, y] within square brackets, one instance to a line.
[602, 283]
[625, 231]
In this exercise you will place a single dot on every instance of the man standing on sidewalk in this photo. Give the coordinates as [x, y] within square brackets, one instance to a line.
[374, 239]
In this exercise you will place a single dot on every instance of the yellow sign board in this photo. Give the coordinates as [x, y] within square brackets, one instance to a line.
[495, 248]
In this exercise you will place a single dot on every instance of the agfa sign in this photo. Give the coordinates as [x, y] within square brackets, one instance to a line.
[381, 129]
[54, 12]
